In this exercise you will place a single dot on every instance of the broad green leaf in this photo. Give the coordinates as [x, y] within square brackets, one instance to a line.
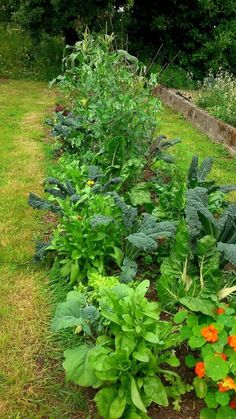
[196, 342]
[140, 291]
[142, 354]
[199, 305]
[151, 337]
[209, 261]
[135, 396]
[125, 342]
[210, 400]
[190, 361]
[180, 316]
[173, 361]
[192, 320]
[140, 195]
[225, 413]
[77, 366]
[216, 368]
[200, 386]
[207, 413]
[68, 314]
[186, 332]
[104, 399]
[117, 407]
[155, 390]
[99, 359]
[222, 398]
[74, 272]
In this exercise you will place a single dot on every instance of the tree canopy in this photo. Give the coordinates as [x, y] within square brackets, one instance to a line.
[196, 34]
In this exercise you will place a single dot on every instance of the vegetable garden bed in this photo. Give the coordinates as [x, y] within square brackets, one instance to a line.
[147, 252]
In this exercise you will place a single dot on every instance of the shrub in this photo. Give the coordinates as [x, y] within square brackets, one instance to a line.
[22, 57]
[218, 96]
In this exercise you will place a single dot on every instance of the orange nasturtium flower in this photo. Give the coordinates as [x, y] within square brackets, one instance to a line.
[227, 384]
[220, 310]
[200, 369]
[222, 355]
[210, 333]
[232, 341]
[232, 403]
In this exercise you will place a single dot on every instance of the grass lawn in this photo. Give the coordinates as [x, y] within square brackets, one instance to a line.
[31, 377]
[173, 125]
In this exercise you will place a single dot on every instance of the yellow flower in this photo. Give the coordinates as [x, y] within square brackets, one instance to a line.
[84, 101]
[90, 182]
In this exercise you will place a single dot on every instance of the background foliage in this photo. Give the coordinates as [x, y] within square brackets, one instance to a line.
[195, 35]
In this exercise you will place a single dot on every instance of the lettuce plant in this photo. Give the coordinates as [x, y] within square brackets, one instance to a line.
[130, 357]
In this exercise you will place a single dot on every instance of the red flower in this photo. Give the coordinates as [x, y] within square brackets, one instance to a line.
[210, 333]
[200, 369]
[222, 355]
[232, 403]
[220, 310]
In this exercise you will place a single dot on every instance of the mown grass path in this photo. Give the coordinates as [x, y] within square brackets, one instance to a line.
[174, 125]
[31, 383]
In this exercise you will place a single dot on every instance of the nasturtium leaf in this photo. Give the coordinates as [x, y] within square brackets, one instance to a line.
[190, 361]
[135, 396]
[155, 390]
[208, 349]
[186, 332]
[180, 316]
[196, 342]
[77, 366]
[200, 387]
[215, 367]
[210, 400]
[192, 320]
[221, 342]
[233, 330]
[225, 412]
[117, 407]
[233, 362]
[226, 320]
[222, 398]
[207, 413]
[197, 330]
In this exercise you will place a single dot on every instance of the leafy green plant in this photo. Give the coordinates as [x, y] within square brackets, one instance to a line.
[201, 221]
[217, 95]
[129, 360]
[213, 342]
[192, 276]
[117, 112]
[88, 236]
[197, 175]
